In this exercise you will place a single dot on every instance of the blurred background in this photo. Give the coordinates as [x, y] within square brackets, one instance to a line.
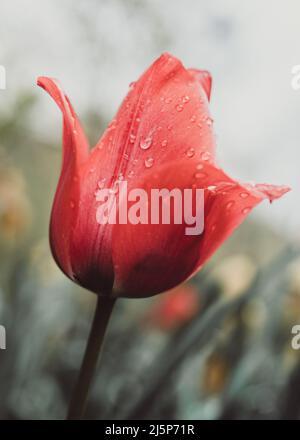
[219, 347]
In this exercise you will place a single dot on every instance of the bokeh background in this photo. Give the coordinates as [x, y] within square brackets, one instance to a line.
[218, 347]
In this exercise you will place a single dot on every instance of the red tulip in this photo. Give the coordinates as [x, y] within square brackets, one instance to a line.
[161, 137]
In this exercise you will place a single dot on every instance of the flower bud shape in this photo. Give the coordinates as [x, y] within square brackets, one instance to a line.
[161, 138]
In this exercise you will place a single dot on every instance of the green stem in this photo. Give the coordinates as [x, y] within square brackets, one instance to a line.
[101, 318]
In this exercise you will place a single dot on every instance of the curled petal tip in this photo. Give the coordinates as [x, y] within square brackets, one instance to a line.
[271, 192]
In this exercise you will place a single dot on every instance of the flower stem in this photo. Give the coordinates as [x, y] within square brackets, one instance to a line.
[101, 318]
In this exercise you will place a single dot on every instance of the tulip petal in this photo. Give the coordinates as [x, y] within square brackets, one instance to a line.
[164, 115]
[150, 258]
[204, 78]
[75, 152]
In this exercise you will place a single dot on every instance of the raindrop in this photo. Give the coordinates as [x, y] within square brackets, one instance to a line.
[190, 152]
[149, 162]
[199, 166]
[146, 143]
[229, 205]
[209, 121]
[164, 143]
[193, 118]
[205, 156]
[130, 174]
[179, 107]
[168, 100]
[244, 195]
[185, 99]
[246, 210]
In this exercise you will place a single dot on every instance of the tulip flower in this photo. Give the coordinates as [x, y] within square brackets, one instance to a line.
[161, 137]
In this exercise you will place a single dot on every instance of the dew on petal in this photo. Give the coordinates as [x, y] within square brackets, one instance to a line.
[244, 195]
[199, 166]
[205, 156]
[246, 210]
[193, 118]
[209, 121]
[146, 143]
[179, 107]
[164, 143]
[190, 152]
[185, 99]
[149, 162]
[229, 205]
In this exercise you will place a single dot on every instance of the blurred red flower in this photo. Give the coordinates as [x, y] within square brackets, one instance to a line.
[174, 308]
[161, 137]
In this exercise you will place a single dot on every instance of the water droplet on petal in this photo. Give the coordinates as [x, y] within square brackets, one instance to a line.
[72, 204]
[190, 152]
[146, 143]
[168, 100]
[185, 99]
[205, 156]
[209, 121]
[199, 166]
[229, 205]
[130, 174]
[164, 143]
[246, 210]
[244, 195]
[149, 162]
[179, 107]
[193, 118]
[212, 188]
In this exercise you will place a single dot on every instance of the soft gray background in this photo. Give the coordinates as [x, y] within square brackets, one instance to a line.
[96, 48]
